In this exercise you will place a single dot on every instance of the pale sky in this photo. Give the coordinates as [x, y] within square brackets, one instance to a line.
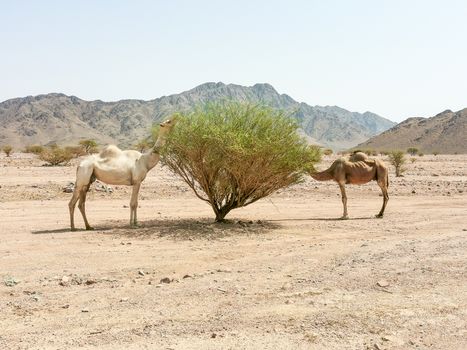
[395, 58]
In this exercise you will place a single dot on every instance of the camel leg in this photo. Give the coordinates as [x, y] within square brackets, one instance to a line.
[385, 198]
[83, 179]
[71, 207]
[134, 204]
[82, 206]
[344, 201]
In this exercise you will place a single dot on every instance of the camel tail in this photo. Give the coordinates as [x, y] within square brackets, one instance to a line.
[387, 180]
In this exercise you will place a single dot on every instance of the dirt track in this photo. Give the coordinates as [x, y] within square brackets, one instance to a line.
[284, 274]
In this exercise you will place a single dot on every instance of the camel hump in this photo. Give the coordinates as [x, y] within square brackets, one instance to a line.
[358, 157]
[110, 151]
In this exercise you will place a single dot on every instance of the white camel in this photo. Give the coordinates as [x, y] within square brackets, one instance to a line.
[116, 167]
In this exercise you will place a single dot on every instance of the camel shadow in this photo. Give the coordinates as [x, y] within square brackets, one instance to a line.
[326, 219]
[189, 229]
[63, 230]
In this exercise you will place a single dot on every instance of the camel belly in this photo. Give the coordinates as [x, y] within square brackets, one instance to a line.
[113, 176]
[360, 180]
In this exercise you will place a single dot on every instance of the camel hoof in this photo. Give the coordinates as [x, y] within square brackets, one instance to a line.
[379, 216]
[344, 218]
[89, 228]
[73, 229]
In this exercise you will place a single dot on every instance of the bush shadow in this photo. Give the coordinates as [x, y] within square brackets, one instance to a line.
[189, 229]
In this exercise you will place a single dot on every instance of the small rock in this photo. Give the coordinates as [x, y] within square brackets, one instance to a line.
[69, 188]
[122, 300]
[11, 282]
[187, 276]
[213, 335]
[85, 310]
[35, 298]
[288, 301]
[413, 191]
[99, 186]
[224, 270]
[165, 280]
[377, 346]
[141, 273]
[65, 281]
[90, 281]
[383, 283]
[66, 306]
[393, 339]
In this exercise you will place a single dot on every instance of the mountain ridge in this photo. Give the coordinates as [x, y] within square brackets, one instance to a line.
[56, 117]
[444, 133]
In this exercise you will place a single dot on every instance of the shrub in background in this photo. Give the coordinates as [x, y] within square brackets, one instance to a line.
[143, 145]
[233, 154]
[7, 149]
[89, 146]
[55, 155]
[397, 159]
[412, 151]
[35, 149]
[76, 151]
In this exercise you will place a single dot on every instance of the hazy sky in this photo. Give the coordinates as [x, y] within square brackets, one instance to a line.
[394, 58]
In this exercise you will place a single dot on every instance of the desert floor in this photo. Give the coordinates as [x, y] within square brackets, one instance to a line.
[284, 273]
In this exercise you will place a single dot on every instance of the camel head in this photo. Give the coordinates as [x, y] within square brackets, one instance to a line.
[167, 125]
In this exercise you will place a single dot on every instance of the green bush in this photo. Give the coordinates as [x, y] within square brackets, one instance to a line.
[233, 154]
[328, 152]
[397, 159]
[7, 149]
[412, 151]
[89, 146]
[55, 155]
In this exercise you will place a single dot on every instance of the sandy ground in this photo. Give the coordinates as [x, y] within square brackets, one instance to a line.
[283, 274]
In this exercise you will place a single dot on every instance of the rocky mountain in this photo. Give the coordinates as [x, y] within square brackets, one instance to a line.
[66, 119]
[446, 132]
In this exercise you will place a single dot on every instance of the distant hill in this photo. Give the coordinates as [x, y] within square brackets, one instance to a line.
[66, 119]
[446, 132]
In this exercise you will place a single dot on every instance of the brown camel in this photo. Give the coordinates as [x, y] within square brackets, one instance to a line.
[358, 171]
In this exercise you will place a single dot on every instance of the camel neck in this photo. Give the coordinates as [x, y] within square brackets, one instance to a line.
[160, 142]
[152, 156]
